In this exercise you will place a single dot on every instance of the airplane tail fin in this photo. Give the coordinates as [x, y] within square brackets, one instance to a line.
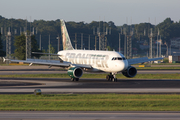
[65, 37]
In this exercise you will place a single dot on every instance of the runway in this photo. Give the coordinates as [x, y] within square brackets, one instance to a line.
[87, 115]
[64, 85]
[85, 86]
[92, 86]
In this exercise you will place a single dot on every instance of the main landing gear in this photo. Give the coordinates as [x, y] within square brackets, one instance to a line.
[111, 77]
[74, 79]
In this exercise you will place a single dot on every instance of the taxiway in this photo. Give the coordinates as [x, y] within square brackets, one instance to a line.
[87, 115]
[64, 85]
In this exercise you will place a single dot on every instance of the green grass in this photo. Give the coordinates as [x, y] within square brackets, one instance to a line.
[119, 76]
[90, 102]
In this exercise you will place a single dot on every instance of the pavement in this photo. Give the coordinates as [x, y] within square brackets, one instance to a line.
[88, 115]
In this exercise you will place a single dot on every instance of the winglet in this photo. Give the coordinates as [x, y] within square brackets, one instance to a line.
[65, 37]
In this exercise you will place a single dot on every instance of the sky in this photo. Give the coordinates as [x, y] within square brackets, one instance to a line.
[119, 11]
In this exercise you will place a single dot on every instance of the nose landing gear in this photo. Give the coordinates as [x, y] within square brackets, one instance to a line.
[111, 77]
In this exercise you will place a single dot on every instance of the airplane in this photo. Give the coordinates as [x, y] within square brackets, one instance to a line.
[79, 61]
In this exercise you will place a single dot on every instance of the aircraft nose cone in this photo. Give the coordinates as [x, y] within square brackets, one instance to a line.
[120, 66]
[124, 65]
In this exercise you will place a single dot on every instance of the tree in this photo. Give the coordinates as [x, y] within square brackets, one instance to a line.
[52, 50]
[1, 45]
[20, 45]
[2, 53]
[165, 29]
[34, 47]
[109, 48]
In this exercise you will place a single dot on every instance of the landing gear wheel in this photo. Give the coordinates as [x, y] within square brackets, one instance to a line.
[114, 79]
[111, 77]
[72, 79]
[108, 78]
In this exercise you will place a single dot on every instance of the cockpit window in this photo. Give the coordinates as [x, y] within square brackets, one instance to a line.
[118, 58]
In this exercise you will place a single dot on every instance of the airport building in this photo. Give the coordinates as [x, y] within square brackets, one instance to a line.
[175, 56]
[175, 42]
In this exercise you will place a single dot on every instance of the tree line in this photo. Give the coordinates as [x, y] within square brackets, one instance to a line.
[167, 29]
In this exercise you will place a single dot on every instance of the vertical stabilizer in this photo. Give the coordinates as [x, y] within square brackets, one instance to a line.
[65, 37]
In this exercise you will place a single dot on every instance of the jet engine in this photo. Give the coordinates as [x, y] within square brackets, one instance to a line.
[75, 72]
[130, 72]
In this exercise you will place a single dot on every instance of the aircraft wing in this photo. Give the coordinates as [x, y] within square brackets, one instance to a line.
[51, 63]
[142, 60]
[44, 62]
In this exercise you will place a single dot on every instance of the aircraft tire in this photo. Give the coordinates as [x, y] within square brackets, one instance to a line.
[72, 79]
[114, 79]
[111, 77]
[77, 79]
[108, 78]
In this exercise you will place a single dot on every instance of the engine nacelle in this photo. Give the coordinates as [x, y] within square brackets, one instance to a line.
[75, 72]
[130, 72]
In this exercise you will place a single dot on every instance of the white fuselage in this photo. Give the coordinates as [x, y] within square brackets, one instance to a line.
[107, 61]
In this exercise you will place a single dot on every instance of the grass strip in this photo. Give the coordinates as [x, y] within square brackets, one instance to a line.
[119, 76]
[90, 102]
